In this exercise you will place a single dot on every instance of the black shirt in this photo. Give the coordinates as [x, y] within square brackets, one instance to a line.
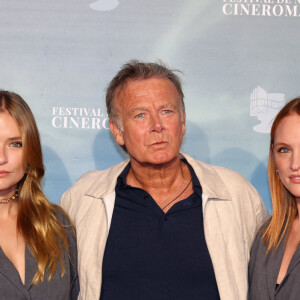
[153, 255]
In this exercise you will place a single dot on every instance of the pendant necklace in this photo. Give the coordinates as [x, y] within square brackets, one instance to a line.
[177, 195]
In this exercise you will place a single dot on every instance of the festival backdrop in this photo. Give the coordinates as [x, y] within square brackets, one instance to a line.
[239, 63]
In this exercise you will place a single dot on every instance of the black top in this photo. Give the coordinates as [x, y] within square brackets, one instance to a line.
[153, 255]
[58, 288]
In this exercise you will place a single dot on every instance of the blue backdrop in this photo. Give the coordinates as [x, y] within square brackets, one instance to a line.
[239, 60]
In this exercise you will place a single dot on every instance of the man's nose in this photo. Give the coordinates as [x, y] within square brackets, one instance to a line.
[156, 123]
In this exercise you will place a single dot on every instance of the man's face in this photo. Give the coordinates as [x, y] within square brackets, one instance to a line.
[153, 127]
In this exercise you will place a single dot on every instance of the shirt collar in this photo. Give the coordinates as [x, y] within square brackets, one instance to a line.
[121, 180]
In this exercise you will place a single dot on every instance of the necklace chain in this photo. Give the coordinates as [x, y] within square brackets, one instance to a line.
[177, 195]
[13, 197]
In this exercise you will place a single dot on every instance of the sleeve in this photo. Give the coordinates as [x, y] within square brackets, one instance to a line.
[253, 254]
[261, 212]
[65, 200]
[73, 260]
[74, 280]
[257, 270]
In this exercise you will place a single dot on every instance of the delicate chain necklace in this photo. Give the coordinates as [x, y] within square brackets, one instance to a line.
[177, 195]
[13, 197]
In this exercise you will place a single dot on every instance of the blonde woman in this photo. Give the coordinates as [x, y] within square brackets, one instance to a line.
[274, 269]
[37, 243]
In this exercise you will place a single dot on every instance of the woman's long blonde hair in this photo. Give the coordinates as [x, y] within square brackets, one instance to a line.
[283, 202]
[37, 223]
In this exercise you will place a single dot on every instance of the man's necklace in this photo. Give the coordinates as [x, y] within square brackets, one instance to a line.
[13, 197]
[176, 196]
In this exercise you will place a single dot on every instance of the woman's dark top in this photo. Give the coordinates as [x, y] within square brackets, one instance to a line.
[58, 288]
[264, 269]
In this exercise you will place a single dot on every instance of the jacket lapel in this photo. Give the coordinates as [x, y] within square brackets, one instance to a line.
[273, 265]
[8, 270]
[295, 261]
[221, 239]
[92, 220]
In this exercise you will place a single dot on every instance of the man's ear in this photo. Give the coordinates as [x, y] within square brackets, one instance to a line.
[117, 133]
[183, 123]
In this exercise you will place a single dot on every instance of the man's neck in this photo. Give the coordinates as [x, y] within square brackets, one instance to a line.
[167, 183]
[158, 177]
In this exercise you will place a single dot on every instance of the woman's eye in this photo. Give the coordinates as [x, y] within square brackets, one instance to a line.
[16, 144]
[283, 150]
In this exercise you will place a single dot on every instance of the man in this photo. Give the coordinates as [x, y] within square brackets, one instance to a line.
[160, 225]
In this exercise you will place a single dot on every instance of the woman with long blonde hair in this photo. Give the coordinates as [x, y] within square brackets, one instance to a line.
[274, 268]
[37, 242]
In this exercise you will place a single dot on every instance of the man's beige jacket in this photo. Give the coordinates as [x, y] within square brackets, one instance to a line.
[232, 214]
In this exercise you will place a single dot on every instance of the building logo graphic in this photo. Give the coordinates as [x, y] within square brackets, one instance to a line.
[265, 106]
[104, 5]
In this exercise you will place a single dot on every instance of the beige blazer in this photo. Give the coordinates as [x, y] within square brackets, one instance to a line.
[232, 212]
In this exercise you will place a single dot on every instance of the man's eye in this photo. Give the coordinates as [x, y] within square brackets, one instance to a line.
[16, 144]
[140, 115]
[166, 111]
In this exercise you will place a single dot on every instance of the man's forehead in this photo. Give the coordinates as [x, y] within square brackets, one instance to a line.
[142, 87]
[138, 106]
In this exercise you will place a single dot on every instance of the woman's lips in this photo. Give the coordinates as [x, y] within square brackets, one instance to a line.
[3, 173]
[295, 178]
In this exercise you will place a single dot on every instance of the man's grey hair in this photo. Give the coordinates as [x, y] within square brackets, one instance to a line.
[138, 70]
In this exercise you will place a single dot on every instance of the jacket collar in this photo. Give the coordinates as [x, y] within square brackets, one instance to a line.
[107, 183]
[210, 181]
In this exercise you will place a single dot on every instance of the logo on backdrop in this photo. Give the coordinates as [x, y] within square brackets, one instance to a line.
[105, 5]
[263, 8]
[79, 117]
[265, 106]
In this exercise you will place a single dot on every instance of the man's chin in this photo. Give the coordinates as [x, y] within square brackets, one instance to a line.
[160, 159]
